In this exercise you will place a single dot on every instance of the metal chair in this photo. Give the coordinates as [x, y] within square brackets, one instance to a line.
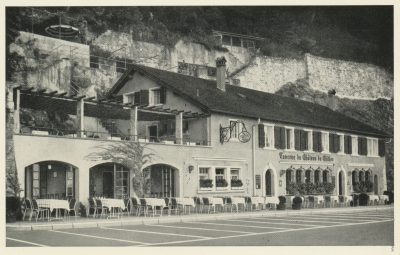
[311, 202]
[206, 203]
[26, 207]
[227, 203]
[92, 205]
[101, 208]
[134, 204]
[40, 211]
[72, 204]
[198, 204]
[248, 203]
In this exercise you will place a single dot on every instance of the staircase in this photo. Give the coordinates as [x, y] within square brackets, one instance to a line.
[112, 129]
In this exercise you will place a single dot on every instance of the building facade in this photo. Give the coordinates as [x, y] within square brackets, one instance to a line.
[207, 138]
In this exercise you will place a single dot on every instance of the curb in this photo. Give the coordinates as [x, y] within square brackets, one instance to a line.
[184, 218]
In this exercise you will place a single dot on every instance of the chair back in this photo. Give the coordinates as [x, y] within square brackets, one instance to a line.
[247, 200]
[197, 200]
[311, 199]
[341, 199]
[98, 203]
[143, 202]
[127, 203]
[28, 204]
[134, 201]
[229, 200]
[206, 201]
[34, 204]
[327, 199]
[166, 199]
[173, 202]
[72, 203]
[91, 202]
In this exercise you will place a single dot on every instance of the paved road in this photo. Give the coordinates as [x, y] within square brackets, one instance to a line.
[343, 228]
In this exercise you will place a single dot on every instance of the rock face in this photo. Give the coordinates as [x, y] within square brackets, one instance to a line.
[377, 113]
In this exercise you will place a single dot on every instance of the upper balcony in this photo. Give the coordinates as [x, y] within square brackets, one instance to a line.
[59, 115]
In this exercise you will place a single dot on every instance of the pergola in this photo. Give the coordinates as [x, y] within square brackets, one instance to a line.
[81, 106]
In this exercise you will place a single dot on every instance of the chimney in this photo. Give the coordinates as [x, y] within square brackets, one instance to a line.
[221, 70]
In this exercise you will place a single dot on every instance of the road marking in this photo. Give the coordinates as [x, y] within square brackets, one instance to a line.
[352, 216]
[233, 225]
[207, 229]
[266, 233]
[22, 241]
[157, 233]
[280, 223]
[282, 218]
[312, 217]
[99, 237]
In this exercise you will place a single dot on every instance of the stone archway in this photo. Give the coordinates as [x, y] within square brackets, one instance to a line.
[269, 183]
[163, 180]
[109, 180]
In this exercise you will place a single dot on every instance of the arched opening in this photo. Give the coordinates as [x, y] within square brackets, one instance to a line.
[361, 176]
[110, 180]
[368, 176]
[308, 176]
[317, 174]
[51, 179]
[298, 176]
[163, 180]
[268, 182]
[325, 174]
[288, 177]
[341, 183]
[376, 185]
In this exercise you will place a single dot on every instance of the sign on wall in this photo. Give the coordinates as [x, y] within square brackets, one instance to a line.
[305, 157]
[258, 181]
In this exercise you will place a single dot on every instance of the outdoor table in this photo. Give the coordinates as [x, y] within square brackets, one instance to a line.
[54, 204]
[373, 198]
[185, 201]
[237, 201]
[384, 198]
[155, 202]
[113, 203]
[272, 200]
[216, 201]
[257, 201]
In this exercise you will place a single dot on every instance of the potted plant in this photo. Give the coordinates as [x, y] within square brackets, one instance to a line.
[206, 184]
[282, 203]
[221, 183]
[390, 195]
[297, 201]
[363, 199]
[13, 209]
[236, 184]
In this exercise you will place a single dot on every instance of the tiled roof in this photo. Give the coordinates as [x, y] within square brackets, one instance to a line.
[240, 101]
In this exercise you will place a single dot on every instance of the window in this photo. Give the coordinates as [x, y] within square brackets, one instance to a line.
[219, 174]
[317, 141]
[372, 147]
[204, 173]
[334, 143]
[121, 182]
[235, 174]
[362, 146]
[316, 176]
[325, 142]
[325, 176]
[280, 136]
[301, 139]
[157, 96]
[289, 138]
[347, 144]
[308, 176]
[265, 136]
[298, 176]
[381, 149]
[354, 143]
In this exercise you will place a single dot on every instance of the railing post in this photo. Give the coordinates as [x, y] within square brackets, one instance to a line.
[133, 123]
[80, 115]
[178, 128]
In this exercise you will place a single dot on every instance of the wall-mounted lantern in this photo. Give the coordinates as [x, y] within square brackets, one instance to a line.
[190, 168]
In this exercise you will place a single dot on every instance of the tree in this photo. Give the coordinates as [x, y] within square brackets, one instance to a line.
[130, 154]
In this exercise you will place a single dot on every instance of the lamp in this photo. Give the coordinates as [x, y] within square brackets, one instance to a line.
[190, 168]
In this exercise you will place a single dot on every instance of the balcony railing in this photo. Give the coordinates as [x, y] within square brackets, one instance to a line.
[87, 134]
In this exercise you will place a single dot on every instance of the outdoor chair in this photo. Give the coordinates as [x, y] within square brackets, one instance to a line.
[227, 204]
[127, 204]
[144, 207]
[134, 205]
[174, 206]
[99, 207]
[72, 204]
[311, 202]
[92, 206]
[206, 203]
[39, 211]
[248, 204]
[26, 208]
[342, 201]
[327, 201]
[198, 204]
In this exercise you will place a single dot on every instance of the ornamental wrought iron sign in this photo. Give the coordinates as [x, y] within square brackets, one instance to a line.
[226, 132]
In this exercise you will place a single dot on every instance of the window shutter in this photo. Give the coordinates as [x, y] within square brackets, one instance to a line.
[283, 138]
[261, 136]
[303, 140]
[144, 97]
[297, 139]
[365, 146]
[359, 146]
[163, 95]
[277, 136]
[317, 141]
[331, 142]
[136, 98]
[347, 144]
[337, 143]
[381, 147]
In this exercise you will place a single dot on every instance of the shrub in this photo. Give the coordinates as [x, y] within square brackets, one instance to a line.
[13, 209]
[329, 187]
[390, 195]
[221, 183]
[207, 183]
[297, 201]
[236, 183]
[82, 210]
[355, 200]
[282, 203]
[363, 199]
[363, 186]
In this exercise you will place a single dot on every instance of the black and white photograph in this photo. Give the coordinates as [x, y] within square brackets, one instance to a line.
[199, 125]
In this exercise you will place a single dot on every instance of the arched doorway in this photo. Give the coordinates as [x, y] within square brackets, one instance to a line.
[163, 180]
[110, 180]
[341, 184]
[51, 179]
[376, 185]
[268, 182]
[317, 174]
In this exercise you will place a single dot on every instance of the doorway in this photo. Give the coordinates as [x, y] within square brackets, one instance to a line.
[153, 133]
[341, 188]
[108, 184]
[268, 183]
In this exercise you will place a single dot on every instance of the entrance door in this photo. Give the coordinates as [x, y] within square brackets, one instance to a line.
[340, 183]
[153, 133]
[268, 183]
[108, 184]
